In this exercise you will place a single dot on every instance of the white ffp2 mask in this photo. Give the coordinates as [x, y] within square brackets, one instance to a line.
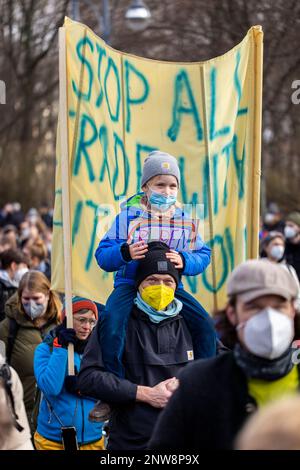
[277, 252]
[269, 333]
[290, 232]
[19, 274]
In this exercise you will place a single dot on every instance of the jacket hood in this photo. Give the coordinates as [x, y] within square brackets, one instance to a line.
[133, 201]
[50, 337]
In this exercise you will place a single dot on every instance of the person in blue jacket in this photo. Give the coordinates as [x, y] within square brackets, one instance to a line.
[153, 215]
[61, 404]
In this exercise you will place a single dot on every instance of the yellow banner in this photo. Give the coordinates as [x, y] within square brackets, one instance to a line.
[206, 114]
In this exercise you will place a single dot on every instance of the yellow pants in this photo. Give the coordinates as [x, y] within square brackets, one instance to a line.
[41, 443]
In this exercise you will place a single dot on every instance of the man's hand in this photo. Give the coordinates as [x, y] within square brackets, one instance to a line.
[157, 396]
[175, 258]
[137, 250]
[71, 384]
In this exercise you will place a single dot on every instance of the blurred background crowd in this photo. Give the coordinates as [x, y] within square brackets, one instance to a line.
[26, 239]
[25, 243]
[189, 30]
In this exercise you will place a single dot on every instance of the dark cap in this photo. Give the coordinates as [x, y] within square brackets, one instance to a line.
[156, 262]
[294, 217]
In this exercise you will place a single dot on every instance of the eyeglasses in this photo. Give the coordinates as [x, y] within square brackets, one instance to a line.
[84, 321]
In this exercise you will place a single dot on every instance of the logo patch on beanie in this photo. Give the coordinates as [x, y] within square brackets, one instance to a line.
[162, 265]
[190, 355]
[165, 165]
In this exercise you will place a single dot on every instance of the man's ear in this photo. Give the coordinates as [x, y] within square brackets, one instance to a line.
[231, 315]
[13, 266]
[140, 288]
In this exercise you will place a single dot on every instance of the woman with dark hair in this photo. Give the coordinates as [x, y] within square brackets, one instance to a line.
[30, 314]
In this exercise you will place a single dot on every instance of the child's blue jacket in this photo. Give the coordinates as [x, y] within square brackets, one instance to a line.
[109, 256]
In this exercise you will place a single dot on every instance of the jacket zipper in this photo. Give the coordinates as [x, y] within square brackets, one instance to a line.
[82, 428]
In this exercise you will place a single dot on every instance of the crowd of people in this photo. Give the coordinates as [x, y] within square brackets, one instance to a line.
[153, 369]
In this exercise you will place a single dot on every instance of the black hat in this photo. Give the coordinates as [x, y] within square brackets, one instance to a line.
[156, 262]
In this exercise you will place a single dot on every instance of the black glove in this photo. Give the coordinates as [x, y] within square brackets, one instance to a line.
[71, 384]
[65, 335]
[125, 252]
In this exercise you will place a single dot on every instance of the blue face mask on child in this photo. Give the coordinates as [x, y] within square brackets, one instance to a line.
[160, 201]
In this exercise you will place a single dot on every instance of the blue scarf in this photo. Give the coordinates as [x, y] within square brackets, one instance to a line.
[156, 316]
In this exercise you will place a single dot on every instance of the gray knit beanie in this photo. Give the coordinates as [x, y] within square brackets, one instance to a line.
[160, 163]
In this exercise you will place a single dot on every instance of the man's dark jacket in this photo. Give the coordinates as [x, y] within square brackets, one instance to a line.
[6, 291]
[292, 256]
[153, 353]
[207, 410]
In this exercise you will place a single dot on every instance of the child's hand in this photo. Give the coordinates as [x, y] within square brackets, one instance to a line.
[137, 250]
[175, 258]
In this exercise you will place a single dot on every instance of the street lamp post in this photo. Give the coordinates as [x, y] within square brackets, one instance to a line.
[106, 21]
[103, 20]
[75, 10]
[138, 15]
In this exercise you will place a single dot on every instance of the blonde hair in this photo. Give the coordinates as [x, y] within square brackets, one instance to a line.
[275, 427]
[35, 281]
[37, 249]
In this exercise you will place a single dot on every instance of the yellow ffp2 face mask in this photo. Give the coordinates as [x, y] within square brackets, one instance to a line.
[158, 296]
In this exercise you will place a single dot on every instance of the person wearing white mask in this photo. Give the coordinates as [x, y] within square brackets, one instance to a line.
[215, 396]
[14, 264]
[30, 314]
[292, 235]
[273, 248]
[273, 219]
